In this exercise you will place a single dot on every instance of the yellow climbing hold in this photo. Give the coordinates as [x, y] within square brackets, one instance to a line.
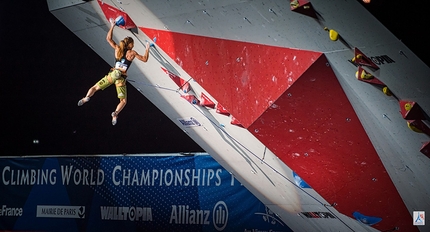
[294, 4]
[366, 76]
[332, 34]
[413, 128]
[387, 91]
[356, 57]
[408, 106]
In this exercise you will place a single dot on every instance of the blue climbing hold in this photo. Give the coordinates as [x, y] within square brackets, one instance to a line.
[119, 21]
[366, 219]
[300, 182]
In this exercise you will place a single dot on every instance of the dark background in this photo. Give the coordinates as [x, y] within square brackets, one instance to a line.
[45, 69]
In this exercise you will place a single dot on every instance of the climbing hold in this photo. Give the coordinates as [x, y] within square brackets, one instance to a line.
[359, 56]
[186, 87]
[425, 149]
[413, 127]
[154, 40]
[221, 110]
[294, 4]
[418, 126]
[182, 84]
[332, 34]
[302, 7]
[387, 91]
[119, 16]
[411, 110]
[408, 106]
[235, 122]
[191, 98]
[361, 59]
[300, 182]
[119, 21]
[366, 219]
[363, 75]
[205, 101]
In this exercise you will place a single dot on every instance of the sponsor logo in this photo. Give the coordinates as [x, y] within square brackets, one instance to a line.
[183, 214]
[126, 213]
[189, 122]
[318, 215]
[419, 218]
[220, 215]
[60, 211]
[384, 59]
[270, 217]
[10, 212]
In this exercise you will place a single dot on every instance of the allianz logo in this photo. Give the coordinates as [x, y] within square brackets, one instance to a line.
[11, 212]
[183, 214]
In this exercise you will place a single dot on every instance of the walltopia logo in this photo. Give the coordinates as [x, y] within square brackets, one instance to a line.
[419, 218]
[126, 213]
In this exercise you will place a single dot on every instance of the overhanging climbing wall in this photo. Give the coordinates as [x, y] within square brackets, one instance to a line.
[293, 103]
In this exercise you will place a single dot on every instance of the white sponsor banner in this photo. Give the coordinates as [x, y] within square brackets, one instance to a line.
[60, 211]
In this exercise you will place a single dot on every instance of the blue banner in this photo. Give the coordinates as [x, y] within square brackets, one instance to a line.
[127, 193]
